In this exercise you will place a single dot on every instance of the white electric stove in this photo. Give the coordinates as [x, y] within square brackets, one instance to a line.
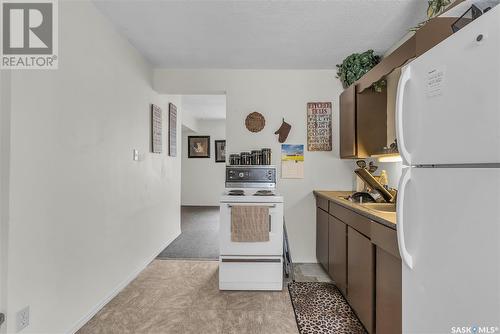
[251, 265]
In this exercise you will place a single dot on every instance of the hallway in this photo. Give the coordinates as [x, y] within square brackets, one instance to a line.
[199, 235]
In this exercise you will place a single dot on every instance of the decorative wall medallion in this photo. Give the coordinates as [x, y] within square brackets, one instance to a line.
[255, 122]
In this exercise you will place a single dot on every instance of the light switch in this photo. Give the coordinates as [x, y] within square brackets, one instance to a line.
[136, 155]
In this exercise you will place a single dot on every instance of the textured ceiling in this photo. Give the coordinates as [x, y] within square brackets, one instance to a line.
[204, 106]
[257, 34]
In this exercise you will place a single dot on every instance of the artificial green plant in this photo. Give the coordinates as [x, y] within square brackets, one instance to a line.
[435, 8]
[355, 66]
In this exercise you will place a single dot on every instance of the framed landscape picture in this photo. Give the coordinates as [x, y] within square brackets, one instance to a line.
[198, 146]
[220, 151]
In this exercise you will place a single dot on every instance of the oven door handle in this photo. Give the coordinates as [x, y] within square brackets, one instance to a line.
[253, 204]
[241, 260]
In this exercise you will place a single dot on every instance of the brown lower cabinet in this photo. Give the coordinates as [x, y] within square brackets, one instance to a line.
[360, 277]
[322, 237]
[337, 253]
[388, 293]
[362, 258]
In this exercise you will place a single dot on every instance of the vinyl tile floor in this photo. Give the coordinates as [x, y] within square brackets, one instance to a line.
[310, 272]
[177, 296]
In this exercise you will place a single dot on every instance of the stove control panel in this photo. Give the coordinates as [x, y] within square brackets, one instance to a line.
[253, 176]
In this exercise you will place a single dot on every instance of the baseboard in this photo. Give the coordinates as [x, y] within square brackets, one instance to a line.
[117, 290]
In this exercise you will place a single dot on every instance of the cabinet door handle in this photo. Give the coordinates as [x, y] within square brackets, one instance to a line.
[403, 81]
[405, 255]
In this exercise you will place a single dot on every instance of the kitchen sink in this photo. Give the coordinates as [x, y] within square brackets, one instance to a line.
[385, 207]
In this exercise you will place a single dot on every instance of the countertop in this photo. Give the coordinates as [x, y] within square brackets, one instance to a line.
[386, 218]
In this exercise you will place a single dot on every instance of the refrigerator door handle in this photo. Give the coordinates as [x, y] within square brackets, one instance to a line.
[405, 255]
[403, 80]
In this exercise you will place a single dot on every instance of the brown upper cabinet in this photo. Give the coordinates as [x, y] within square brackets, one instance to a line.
[367, 117]
[363, 122]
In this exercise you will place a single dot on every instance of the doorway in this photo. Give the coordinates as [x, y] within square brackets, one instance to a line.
[203, 149]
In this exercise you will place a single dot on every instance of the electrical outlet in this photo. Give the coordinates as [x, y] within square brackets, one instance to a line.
[136, 155]
[23, 318]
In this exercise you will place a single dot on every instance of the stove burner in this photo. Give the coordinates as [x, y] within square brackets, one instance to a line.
[264, 193]
[236, 193]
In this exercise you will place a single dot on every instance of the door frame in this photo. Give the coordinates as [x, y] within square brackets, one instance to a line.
[5, 141]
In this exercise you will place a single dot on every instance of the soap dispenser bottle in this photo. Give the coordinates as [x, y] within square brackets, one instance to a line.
[383, 179]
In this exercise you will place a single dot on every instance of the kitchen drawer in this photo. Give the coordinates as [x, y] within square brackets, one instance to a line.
[322, 203]
[356, 221]
[385, 238]
[250, 273]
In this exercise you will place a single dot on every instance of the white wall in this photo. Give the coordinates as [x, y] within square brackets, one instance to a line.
[276, 94]
[203, 179]
[5, 114]
[85, 217]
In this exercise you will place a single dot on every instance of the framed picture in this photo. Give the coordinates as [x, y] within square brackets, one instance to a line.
[156, 130]
[319, 126]
[220, 151]
[198, 146]
[172, 130]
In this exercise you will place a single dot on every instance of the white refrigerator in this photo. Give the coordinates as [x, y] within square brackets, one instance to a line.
[448, 207]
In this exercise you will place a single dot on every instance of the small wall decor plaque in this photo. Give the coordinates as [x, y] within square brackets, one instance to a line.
[156, 130]
[172, 130]
[198, 146]
[319, 126]
[255, 122]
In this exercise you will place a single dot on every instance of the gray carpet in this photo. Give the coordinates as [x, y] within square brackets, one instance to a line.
[199, 237]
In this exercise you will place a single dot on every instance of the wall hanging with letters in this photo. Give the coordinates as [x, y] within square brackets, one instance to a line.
[319, 126]
[172, 130]
[156, 130]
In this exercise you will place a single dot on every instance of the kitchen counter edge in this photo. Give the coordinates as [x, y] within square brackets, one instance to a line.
[386, 219]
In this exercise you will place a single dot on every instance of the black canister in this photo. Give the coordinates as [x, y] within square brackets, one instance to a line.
[234, 159]
[245, 158]
[266, 156]
[256, 157]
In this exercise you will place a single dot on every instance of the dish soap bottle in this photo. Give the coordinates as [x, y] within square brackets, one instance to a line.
[383, 178]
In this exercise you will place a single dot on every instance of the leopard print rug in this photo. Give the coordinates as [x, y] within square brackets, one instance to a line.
[320, 308]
